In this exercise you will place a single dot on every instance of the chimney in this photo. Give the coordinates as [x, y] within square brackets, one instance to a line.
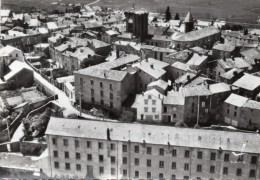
[256, 61]
[235, 73]
[188, 77]
[233, 58]
[177, 87]
[224, 58]
[117, 53]
[108, 134]
[81, 50]
[151, 66]
[105, 75]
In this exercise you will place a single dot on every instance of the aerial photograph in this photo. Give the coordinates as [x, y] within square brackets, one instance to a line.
[130, 89]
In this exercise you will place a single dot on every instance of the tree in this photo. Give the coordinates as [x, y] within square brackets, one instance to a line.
[168, 14]
[177, 16]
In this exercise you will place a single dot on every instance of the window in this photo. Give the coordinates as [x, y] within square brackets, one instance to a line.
[154, 102]
[165, 109]
[136, 161]
[65, 142]
[161, 164]
[226, 157]
[111, 105]
[67, 166]
[77, 155]
[56, 165]
[146, 109]
[145, 101]
[54, 141]
[212, 169]
[199, 168]
[239, 172]
[89, 157]
[16, 55]
[111, 96]
[112, 146]
[225, 170]
[153, 110]
[173, 177]
[66, 154]
[235, 113]
[149, 96]
[113, 171]
[149, 150]
[149, 175]
[161, 152]
[253, 159]
[91, 82]
[186, 166]
[252, 173]
[101, 158]
[93, 100]
[88, 144]
[206, 110]
[213, 156]
[124, 172]
[55, 153]
[76, 143]
[173, 165]
[227, 111]
[174, 152]
[101, 170]
[100, 145]
[101, 85]
[124, 160]
[113, 159]
[203, 104]
[102, 102]
[149, 162]
[92, 92]
[187, 154]
[199, 154]
[235, 107]
[110, 87]
[186, 177]
[101, 93]
[136, 174]
[161, 176]
[174, 115]
[156, 116]
[78, 167]
[124, 148]
[136, 149]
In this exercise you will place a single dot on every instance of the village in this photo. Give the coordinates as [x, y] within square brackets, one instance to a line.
[88, 92]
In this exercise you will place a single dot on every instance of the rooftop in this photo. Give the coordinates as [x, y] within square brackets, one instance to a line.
[237, 62]
[197, 34]
[159, 83]
[236, 100]
[174, 98]
[219, 88]
[182, 66]
[248, 81]
[159, 135]
[224, 47]
[197, 59]
[230, 74]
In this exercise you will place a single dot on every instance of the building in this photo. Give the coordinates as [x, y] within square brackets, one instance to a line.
[221, 51]
[232, 75]
[241, 112]
[249, 85]
[105, 84]
[205, 37]
[137, 23]
[188, 23]
[110, 150]
[149, 106]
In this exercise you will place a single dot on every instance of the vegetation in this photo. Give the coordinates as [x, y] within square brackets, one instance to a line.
[168, 14]
[177, 16]
[181, 124]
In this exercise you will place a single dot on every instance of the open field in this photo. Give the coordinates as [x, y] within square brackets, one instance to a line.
[234, 10]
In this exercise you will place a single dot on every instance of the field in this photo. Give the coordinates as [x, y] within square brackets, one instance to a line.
[234, 10]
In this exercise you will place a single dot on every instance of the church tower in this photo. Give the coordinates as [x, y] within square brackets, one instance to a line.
[188, 23]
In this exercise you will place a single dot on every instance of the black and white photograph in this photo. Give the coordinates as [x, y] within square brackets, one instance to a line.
[130, 89]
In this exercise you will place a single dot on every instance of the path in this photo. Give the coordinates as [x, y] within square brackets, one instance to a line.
[93, 2]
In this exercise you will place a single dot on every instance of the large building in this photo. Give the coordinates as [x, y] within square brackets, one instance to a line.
[110, 150]
[137, 23]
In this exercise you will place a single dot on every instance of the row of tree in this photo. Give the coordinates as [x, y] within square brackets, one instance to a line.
[168, 15]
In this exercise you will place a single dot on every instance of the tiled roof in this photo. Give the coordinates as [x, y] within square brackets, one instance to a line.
[82, 53]
[224, 47]
[151, 134]
[159, 83]
[182, 66]
[103, 73]
[236, 100]
[174, 98]
[99, 44]
[236, 63]
[248, 81]
[230, 73]
[219, 88]
[200, 90]
[197, 59]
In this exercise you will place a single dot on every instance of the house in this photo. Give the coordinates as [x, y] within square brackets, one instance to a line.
[160, 85]
[178, 69]
[252, 56]
[173, 107]
[149, 106]
[191, 79]
[163, 41]
[150, 70]
[241, 112]
[109, 150]
[224, 65]
[220, 51]
[109, 35]
[100, 47]
[180, 56]
[232, 75]
[7, 55]
[198, 62]
[249, 85]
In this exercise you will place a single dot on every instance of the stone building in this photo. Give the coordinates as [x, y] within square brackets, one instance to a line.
[109, 150]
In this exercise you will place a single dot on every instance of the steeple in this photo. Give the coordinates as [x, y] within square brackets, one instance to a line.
[189, 17]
